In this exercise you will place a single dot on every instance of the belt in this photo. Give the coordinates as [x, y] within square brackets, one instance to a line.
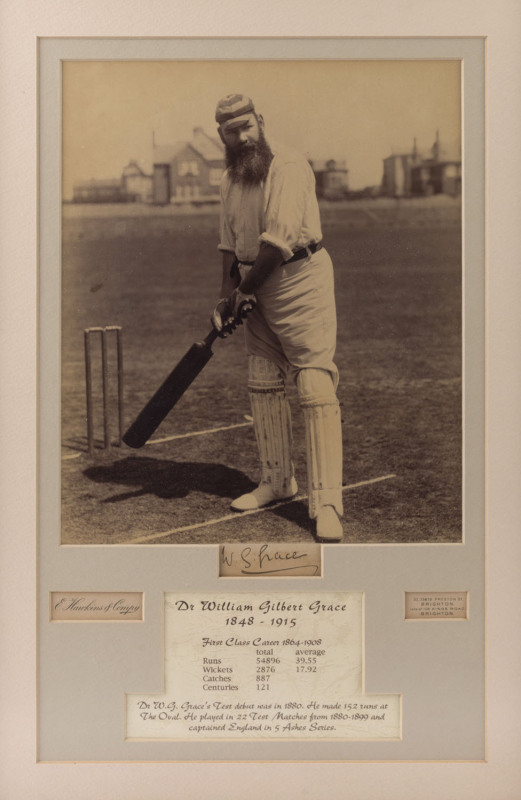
[303, 253]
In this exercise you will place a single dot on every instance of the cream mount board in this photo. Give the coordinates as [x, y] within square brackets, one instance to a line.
[85, 671]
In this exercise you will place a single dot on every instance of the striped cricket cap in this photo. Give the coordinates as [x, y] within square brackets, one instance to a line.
[230, 108]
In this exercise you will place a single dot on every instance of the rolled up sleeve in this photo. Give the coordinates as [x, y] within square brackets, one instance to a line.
[287, 194]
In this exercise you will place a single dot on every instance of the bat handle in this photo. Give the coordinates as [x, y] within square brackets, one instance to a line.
[210, 339]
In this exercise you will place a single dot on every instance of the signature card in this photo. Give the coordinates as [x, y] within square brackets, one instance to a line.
[285, 560]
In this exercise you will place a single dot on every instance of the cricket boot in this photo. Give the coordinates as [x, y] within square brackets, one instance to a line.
[323, 426]
[272, 425]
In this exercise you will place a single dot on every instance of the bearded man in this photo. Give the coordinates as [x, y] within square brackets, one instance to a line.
[272, 253]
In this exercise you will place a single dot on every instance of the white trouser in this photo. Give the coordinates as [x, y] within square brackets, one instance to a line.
[294, 324]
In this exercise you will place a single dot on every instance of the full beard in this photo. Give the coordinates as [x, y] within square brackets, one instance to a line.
[249, 164]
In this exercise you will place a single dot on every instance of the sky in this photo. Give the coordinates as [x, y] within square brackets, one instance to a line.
[360, 111]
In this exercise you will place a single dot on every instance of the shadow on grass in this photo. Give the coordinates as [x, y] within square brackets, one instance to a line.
[168, 479]
[296, 512]
[171, 480]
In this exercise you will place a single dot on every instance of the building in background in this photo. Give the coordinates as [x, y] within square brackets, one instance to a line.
[134, 186]
[137, 185]
[440, 174]
[396, 181]
[331, 179]
[188, 171]
[191, 172]
[409, 174]
[99, 191]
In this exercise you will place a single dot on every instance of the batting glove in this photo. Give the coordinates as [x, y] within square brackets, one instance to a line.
[223, 319]
[241, 304]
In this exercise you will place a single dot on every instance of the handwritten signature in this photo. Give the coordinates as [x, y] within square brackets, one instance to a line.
[251, 560]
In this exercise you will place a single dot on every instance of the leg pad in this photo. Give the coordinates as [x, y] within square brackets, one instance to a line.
[272, 425]
[323, 439]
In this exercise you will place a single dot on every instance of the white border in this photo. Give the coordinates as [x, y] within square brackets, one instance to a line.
[21, 24]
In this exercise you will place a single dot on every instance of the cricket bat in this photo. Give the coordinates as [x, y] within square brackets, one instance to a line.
[173, 388]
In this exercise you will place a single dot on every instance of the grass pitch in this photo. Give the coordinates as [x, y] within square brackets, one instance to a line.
[398, 288]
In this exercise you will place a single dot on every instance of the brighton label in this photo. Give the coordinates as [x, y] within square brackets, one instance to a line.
[436, 605]
[247, 666]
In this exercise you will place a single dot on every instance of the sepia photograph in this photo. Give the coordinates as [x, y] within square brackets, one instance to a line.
[261, 272]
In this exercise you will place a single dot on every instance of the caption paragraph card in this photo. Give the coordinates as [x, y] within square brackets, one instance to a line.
[285, 667]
